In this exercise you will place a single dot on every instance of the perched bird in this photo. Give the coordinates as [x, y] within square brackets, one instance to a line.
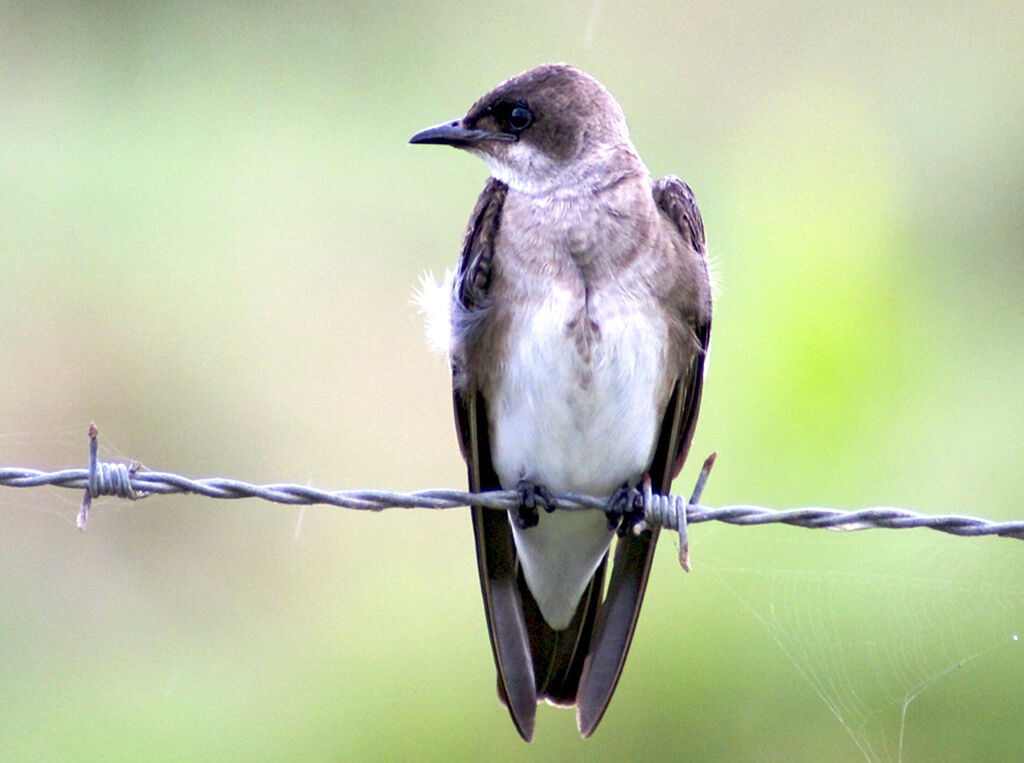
[580, 317]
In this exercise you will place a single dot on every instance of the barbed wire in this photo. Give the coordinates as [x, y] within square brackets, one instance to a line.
[670, 512]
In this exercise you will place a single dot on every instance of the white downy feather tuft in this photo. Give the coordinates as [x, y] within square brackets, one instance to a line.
[433, 299]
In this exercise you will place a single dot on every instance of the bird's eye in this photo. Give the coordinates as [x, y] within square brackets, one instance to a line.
[519, 118]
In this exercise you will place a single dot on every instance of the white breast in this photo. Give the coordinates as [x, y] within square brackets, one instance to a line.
[575, 421]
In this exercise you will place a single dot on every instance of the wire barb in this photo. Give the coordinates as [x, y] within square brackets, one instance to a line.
[105, 479]
[668, 511]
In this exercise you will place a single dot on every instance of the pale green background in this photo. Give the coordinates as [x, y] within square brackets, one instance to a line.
[210, 228]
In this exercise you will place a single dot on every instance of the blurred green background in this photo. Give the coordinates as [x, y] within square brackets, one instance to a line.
[210, 228]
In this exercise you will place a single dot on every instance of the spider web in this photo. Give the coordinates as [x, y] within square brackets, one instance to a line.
[875, 621]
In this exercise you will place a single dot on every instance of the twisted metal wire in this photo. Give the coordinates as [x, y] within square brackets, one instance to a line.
[668, 511]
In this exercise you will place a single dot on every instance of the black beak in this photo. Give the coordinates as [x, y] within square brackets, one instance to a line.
[454, 134]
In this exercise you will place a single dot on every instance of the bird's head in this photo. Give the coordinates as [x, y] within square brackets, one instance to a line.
[547, 128]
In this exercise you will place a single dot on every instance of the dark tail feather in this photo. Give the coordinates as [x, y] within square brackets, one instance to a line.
[559, 656]
[509, 640]
[614, 630]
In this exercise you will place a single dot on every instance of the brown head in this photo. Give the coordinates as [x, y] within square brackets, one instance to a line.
[547, 128]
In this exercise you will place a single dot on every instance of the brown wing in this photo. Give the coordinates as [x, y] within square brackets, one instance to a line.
[675, 200]
[495, 552]
[633, 554]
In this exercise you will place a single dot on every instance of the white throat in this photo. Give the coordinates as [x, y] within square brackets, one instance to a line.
[527, 169]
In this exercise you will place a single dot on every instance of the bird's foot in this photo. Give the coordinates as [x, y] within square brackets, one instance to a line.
[531, 498]
[625, 508]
